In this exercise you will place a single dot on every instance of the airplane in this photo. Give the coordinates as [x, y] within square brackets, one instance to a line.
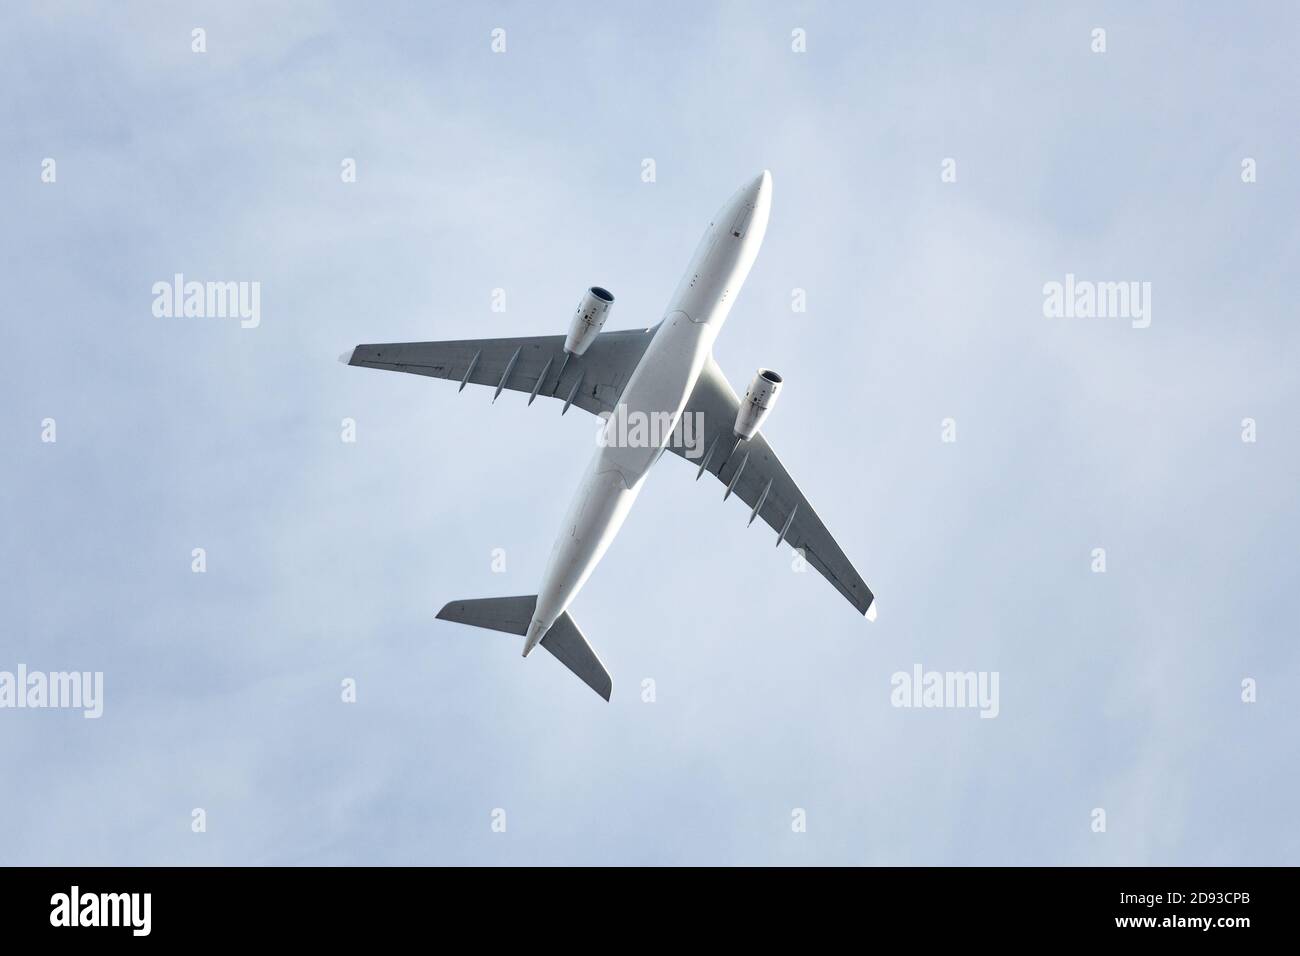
[663, 373]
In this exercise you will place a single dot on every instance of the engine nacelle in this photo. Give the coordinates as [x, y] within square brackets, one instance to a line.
[592, 312]
[759, 399]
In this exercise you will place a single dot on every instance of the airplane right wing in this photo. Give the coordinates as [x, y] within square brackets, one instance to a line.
[537, 365]
[755, 475]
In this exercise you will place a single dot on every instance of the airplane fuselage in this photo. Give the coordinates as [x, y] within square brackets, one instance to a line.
[660, 385]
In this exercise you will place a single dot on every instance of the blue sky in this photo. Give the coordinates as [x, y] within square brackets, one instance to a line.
[522, 170]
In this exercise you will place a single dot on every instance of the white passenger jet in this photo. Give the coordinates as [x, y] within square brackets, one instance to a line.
[661, 374]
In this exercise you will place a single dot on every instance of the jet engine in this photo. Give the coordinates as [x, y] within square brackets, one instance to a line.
[759, 399]
[593, 310]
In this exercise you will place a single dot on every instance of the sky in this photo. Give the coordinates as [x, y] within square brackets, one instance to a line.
[934, 166]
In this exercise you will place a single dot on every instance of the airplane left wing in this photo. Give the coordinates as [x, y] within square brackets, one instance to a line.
[755, 475]
[535, 365]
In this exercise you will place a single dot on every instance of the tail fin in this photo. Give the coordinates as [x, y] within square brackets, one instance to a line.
[513, 615]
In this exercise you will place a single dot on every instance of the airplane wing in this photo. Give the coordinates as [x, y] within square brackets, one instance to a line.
[756, 476]
[536, 365]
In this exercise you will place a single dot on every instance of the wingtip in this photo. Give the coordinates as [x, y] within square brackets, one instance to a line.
[345, 358]
[871, 612]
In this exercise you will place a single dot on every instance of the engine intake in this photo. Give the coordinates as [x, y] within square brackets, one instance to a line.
[593, 310]
[759, 399]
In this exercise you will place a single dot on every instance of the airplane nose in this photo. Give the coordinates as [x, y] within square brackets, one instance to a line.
[746, 212]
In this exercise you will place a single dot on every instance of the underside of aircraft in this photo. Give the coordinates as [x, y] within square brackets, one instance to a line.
[667, 371]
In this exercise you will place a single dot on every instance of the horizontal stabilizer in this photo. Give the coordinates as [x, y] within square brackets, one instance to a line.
[509, 614]
[513, 615]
